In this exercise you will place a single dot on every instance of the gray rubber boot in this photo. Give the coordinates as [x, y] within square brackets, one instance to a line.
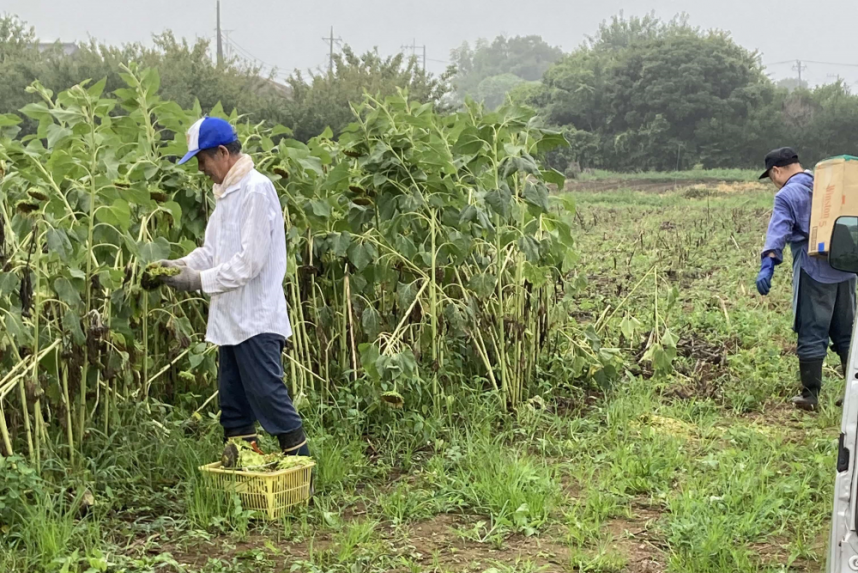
[811, 381]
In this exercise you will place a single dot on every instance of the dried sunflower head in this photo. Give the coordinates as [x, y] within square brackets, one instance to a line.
[37, 194]
[26, 207]
[393, 399]
[153, 273]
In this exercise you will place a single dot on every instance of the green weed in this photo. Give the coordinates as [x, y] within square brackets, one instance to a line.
[492, 478]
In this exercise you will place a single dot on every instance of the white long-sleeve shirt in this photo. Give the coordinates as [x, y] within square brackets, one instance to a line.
[243, 263]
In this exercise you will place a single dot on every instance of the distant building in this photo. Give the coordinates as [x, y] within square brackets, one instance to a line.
[68, 48]
[278, 88]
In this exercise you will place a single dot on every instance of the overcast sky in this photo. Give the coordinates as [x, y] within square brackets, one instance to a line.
[288, 34]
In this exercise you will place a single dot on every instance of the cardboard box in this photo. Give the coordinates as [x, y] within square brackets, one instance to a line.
[835, 194]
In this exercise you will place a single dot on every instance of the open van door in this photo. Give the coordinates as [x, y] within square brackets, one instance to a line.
[843, 541]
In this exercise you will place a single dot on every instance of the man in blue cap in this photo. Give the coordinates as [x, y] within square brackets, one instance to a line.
[241, 265]
[823, 298]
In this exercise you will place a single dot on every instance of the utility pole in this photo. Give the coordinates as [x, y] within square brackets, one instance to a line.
[219, 40]
[413, 47]
[331, 53]
[799, 67]
[330, 41]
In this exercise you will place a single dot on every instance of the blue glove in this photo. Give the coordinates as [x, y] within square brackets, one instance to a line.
[764, 279]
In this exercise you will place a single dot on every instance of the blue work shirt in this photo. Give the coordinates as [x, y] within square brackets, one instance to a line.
[790, 223]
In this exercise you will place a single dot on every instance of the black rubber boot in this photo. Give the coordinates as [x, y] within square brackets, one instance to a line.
[811, 381]
[295, 444]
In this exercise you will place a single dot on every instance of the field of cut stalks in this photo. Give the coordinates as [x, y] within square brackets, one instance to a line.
[589, 380]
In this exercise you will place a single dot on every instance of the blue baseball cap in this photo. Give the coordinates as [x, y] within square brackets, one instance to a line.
[208, 133]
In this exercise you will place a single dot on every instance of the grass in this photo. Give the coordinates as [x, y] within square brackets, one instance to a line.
[704, 469]
[690, 174]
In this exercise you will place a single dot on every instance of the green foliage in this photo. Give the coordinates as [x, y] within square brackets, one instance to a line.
[488, 71]
[517, 491]
[680, 91]
[187, 71]
[52, 528]
[19, 482]
[493, 90]
[621, 33]
[424, 254]
[190, 78]
[650, 95]
[324, 100]
[821, 121]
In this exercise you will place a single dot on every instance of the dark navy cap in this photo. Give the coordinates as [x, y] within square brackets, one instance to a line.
[780, 157]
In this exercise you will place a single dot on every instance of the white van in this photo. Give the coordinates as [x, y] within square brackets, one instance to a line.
[843, 541]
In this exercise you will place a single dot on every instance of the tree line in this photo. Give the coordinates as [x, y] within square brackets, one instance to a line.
[307, 103]
[640, 94]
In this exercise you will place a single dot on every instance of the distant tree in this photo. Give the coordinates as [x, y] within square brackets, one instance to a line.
[187, 71]
[620, 32]
[576, 90]
[525, 57]
[659, 95]
[324, 99]
[525, 92]
[20, 62]
[790, 84]
[821, 122]
[189, 74]
[493, 90]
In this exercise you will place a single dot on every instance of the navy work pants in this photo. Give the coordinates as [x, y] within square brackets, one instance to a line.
[251, 389]
[825, 311]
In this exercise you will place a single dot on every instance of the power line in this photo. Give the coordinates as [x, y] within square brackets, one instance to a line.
[249, 55]
[800, 66]
[780, 63]
[832, 64]
[812, 62]
[227, 44]
[224, 40]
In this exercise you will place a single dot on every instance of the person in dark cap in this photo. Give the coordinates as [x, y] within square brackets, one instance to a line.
[823, 298]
